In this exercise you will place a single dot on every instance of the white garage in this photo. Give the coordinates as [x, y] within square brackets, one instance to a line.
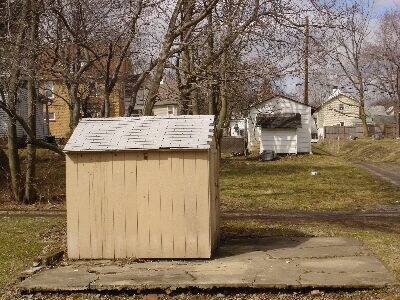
[280, 124]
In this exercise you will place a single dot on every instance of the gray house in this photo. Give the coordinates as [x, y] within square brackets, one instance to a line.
[22, 107]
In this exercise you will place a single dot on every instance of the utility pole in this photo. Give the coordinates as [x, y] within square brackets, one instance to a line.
[306, 55]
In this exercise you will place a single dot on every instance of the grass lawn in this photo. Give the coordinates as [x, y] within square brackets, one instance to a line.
[249, 185]
[22, 240]
[364, 149]
[287, 184]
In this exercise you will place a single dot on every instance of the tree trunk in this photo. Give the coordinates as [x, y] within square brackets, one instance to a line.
[223, 101]
[30, 194]
[211, 93]
[132, 103]
[363, 118]
[106, 104]
[75, 107]
[195, 104]
[158, 75]
[12, 138]
[186, 67]
[397, 104]
[76, 115]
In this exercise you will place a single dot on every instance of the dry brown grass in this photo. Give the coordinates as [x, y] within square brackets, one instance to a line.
[363, 149]
[287, 184]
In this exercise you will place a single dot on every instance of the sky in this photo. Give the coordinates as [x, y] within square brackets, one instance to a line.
[381, 6]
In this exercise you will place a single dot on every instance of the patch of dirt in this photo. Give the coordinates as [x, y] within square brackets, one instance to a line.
[387, 171]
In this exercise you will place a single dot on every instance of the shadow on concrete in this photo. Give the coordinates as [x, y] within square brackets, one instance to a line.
[238, 245]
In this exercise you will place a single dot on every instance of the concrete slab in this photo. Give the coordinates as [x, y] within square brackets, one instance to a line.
[280, 263]
[69, 278]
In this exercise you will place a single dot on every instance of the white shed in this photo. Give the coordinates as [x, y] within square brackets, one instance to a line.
[279, 124]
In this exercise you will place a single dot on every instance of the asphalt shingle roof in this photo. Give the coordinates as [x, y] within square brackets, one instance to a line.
[142, 133]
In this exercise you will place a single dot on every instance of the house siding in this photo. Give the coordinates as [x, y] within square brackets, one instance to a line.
[330, 115]
[22, 110]
[163, 110]
[3, 123]
[60, 126]
[279, 140]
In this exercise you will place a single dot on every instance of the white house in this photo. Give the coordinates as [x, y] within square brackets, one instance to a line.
[237, 127]
[165, 108]
[279, 124]
[339, 109]
[22, 109]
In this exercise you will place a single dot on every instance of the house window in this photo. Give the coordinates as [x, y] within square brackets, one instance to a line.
[341, 106]
[342, 124]
[170, 109]
[49, 89]
[52, 116]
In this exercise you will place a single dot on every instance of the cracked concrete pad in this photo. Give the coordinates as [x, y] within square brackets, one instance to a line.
[347, 280]
[276, 274]
[280, 263]
[330, 241]
[360, 264]
[60, 279]
[360, 271]
[318, 252]
[221, 274]
[143, 279]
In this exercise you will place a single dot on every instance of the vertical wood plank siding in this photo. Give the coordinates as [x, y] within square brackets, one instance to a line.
[153, 204]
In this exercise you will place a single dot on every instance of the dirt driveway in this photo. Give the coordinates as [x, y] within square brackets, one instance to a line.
[387, 171]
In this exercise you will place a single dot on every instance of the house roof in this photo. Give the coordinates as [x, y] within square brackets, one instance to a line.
[142, 133]
[278, 96]
[166, 102]
[384, 120]
[335, 94]
[376, 110]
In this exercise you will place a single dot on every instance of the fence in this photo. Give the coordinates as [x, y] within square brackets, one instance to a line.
[390, 131]
[345, 132]
[340, 132]
[231, 144]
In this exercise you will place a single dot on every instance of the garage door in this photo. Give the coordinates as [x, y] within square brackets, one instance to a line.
[279, 140]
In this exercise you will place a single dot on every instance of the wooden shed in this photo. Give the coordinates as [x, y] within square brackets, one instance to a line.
[144, 187]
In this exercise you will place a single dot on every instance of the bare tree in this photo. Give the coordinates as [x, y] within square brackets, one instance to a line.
[21, 41]
[175, 29]
[351, 56]
[385, 56]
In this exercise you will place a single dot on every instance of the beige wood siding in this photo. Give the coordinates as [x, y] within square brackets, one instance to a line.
[142, 204]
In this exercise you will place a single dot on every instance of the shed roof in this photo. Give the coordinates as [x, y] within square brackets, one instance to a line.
[281, 120]
[278, 96]
[166, 102]
[142, 133]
